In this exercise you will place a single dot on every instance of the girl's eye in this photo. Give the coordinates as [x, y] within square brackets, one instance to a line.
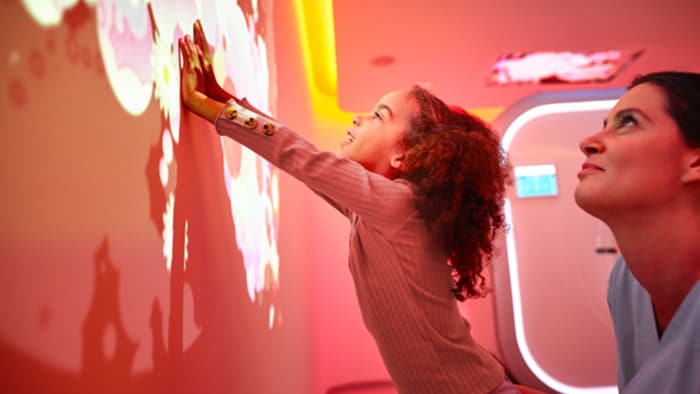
[378, 115]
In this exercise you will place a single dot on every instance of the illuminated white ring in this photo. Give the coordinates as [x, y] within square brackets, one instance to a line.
[508, 136]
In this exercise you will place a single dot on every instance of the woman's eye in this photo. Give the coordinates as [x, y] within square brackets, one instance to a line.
[627, 120]
[378, 115]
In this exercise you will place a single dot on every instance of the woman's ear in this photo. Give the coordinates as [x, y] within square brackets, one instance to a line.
[692, 169]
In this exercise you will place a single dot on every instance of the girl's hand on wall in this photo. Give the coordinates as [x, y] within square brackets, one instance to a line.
[206, 59]
[192, 84]
[191, 78]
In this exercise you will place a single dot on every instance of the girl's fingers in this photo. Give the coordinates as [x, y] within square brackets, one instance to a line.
[185, 45]
[199, 32]
[191, 58]
[196, 32]
[200, 55]
[199, 38]
[183, 53]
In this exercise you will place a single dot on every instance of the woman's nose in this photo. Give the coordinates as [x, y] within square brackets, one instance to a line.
[355, 120]
[591, 145]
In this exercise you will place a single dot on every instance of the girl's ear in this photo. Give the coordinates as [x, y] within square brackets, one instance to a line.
[397, 161]
[692, 169]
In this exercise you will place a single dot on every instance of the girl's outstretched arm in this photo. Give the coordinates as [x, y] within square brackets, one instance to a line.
[346, 184]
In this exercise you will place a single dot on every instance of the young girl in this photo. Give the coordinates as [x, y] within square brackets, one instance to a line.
[422, 186]
[642, 178]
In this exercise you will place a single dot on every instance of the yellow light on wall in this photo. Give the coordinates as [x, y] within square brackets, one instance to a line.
[315, 19]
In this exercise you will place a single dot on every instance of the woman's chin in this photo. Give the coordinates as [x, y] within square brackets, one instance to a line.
[588, 201]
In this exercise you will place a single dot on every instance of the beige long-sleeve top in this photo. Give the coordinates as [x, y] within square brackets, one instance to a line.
[402, 283]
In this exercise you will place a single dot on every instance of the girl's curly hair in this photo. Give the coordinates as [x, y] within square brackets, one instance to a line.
[456, 162]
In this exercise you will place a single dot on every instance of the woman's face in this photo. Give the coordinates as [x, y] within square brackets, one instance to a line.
[637, 161]
[373, 140]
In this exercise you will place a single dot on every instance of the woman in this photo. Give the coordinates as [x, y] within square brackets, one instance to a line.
[422, 186]
[641, 177]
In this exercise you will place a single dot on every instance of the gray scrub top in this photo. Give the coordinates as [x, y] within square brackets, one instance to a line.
[645, 363]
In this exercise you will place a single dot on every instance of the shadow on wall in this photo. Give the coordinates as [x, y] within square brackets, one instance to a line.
[225, 356]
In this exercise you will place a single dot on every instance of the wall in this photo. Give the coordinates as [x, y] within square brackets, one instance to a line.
[121, 262]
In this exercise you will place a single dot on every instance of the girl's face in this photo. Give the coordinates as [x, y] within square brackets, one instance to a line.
[638, 162]
[373, 140]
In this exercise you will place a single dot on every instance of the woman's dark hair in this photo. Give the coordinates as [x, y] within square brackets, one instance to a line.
[460, 172]
[682, 91]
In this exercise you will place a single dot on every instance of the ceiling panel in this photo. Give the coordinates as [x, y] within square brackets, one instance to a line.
[451, 45]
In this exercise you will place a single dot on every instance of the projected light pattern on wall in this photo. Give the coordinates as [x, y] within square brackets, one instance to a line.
[50, 13]
[138, 47]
